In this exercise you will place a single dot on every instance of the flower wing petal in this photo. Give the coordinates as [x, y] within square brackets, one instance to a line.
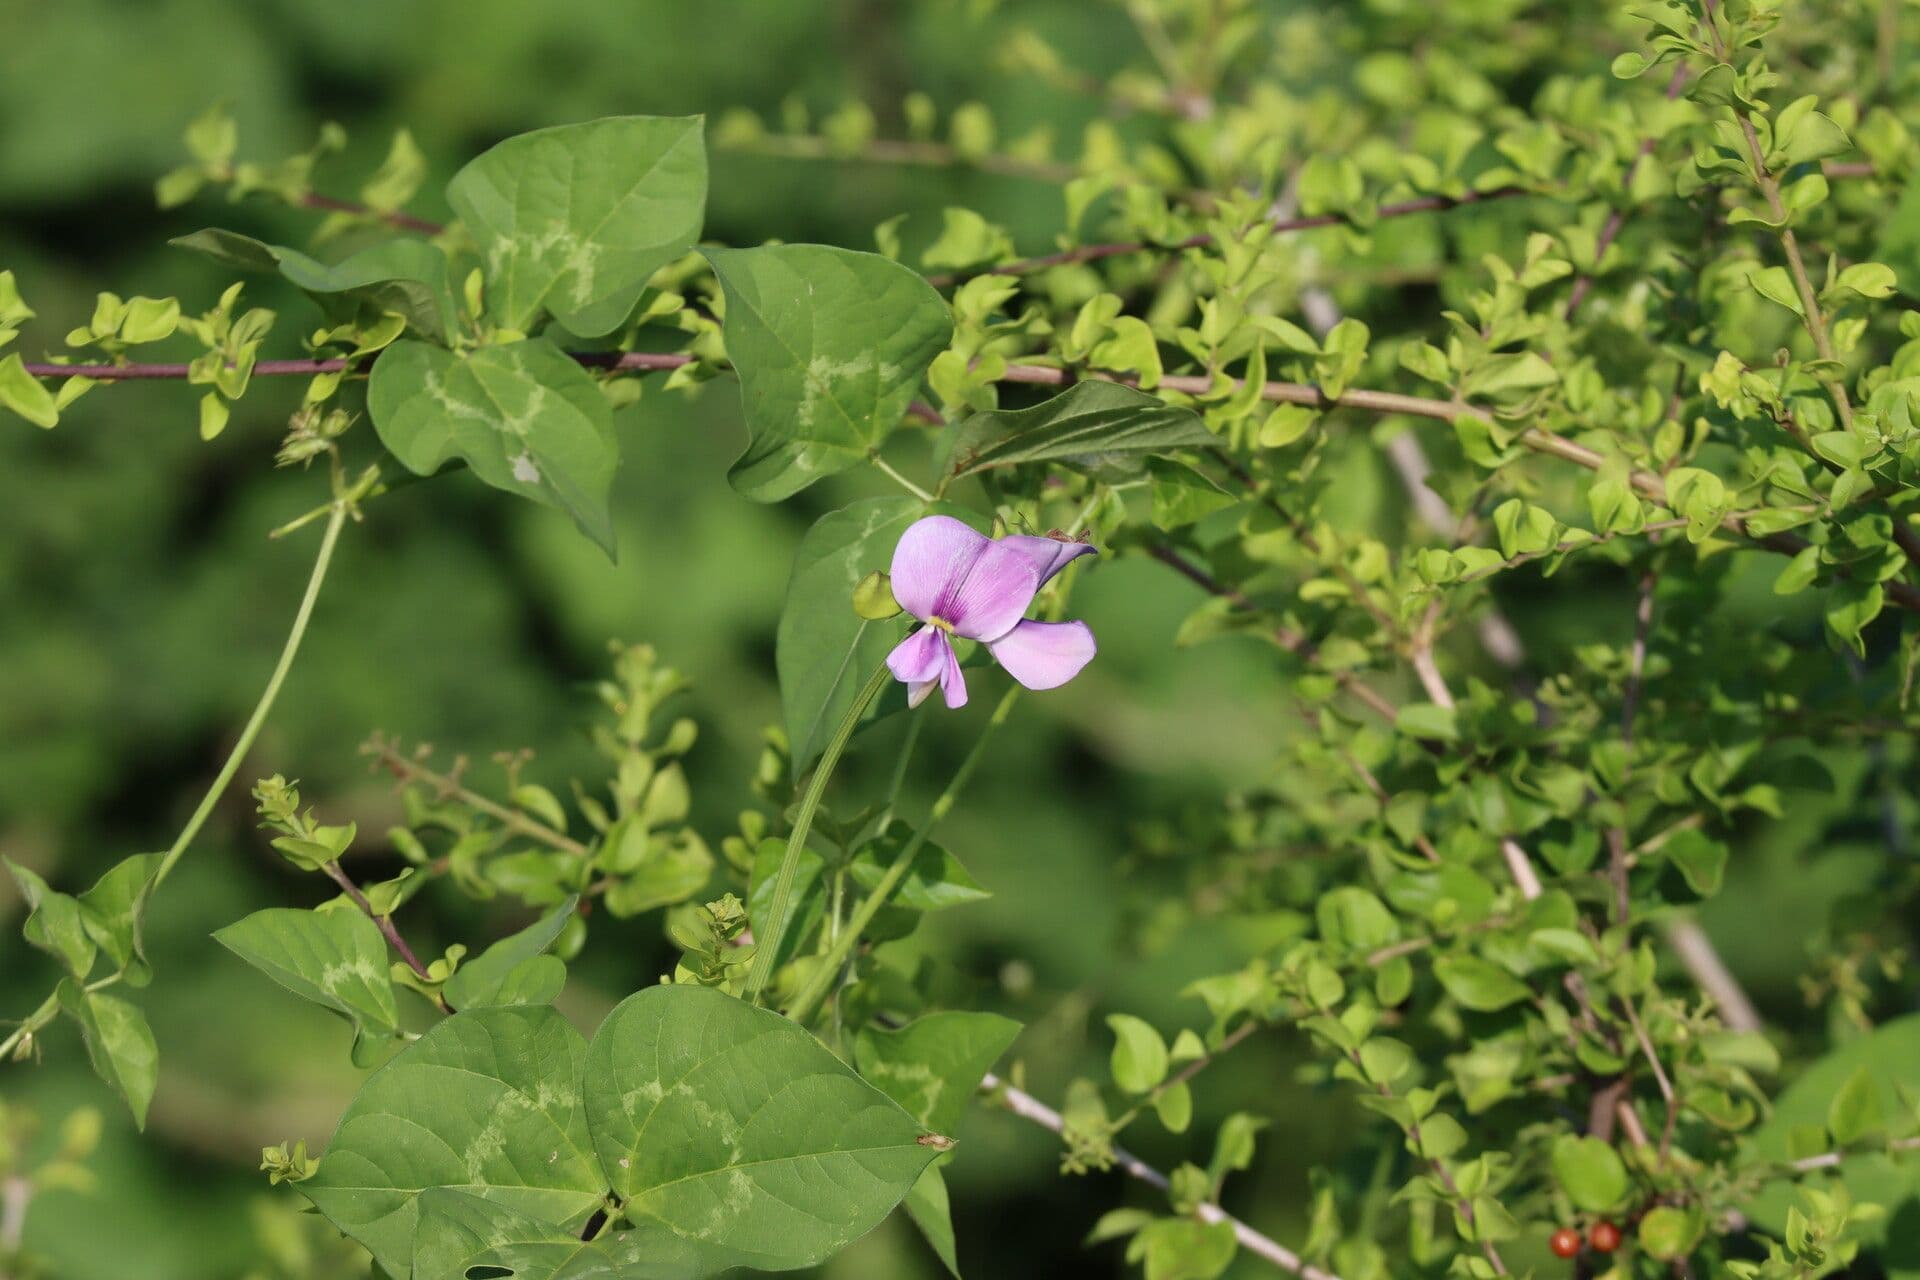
[1049, 555]
[1044, 655]
[994, 593]
[920, 657]
[931, 561]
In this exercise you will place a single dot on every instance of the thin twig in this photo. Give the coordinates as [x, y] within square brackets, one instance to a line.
[1027, 1107]
[1280, 392]
[384, 924]
[625, 361]
[1409, 461]
[1206, 1060]
[513, 819]
[1618, 218]
[901, 151]
[1286, 637]
[1659, 1077]
[1305, 536]
[1646, 483]
[1095, 252]
[1828, 1159]
[1710, 973]
[392, 217]
[1629, 705]
[1811, 315]
[1384, 798]
[1651, 486]
[1463, 1204]
[1283, 225]
[1420, 654]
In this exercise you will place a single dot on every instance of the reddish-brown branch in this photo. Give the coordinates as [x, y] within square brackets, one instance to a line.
[1538, 439]
[900, 151]
[384, 924]
[1302, 222]
[621, 360]
[393, 218]
[447, 786]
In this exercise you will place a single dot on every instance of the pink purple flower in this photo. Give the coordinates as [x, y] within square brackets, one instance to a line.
[962, 583]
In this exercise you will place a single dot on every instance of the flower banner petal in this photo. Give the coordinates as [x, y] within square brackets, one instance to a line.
[1049, 555]
[996, 590]
[932, 559]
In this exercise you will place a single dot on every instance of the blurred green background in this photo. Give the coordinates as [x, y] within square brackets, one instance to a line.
[141, 606]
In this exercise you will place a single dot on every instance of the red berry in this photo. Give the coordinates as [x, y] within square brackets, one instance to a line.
[1605, 1237]
[1566, 1242]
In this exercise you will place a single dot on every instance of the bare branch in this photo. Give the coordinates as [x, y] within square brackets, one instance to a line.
[1027, 1107]
[1710, 973]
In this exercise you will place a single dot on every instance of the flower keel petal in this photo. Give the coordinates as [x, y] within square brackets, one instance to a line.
[1044, 655]
[953, 682]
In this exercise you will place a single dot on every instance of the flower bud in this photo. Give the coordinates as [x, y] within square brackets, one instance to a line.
[873, 598]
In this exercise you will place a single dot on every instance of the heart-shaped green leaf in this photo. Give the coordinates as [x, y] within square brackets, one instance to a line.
[830, 346]
[932, 1065]
[55, 922]
[488, 1103]
[113, 913]
[731, 1125]
[523, 415]
[573, 220]
[461, 1234]
[334, 958]
[119, 1043]
[935, 879]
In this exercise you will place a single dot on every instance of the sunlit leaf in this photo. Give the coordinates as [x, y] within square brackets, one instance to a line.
[524, 416]
[488, 1102]
[730, 1125]
[574, 219]
[830, 346]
